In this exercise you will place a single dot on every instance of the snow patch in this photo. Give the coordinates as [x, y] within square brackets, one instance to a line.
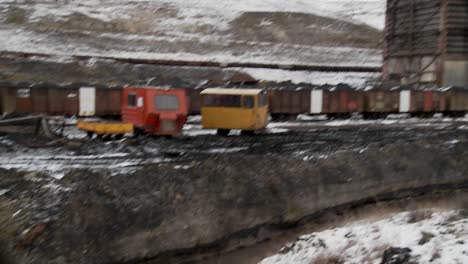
[365, 241]
[356, 79]
[226, 150]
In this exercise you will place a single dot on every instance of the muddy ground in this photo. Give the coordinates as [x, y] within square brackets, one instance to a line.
[176, 200]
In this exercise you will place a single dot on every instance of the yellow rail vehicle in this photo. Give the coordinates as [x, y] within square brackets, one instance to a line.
[226, 109]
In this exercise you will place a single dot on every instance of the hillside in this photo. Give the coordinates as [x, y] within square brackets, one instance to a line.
[325, 32]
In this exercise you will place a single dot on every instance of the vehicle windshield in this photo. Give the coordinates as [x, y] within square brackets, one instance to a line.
[166, 102]
[215, 100]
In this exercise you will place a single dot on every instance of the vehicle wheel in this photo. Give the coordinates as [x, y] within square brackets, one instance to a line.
[107, 137]
[90, 134]
[118, 137]
[275, 117]
[137, 132]
[247, 132]
[223, 132]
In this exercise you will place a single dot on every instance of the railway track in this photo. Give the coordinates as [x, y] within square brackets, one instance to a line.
[187, 63]
[300, 140]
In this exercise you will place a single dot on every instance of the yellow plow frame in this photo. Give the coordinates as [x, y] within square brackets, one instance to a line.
[105, 128]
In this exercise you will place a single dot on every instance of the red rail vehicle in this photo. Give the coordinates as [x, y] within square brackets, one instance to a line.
[149, 110]
[154, 110]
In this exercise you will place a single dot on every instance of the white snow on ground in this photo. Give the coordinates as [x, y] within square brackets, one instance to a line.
[215, 12]
[56, 163]
[195, 129]
[57, 167]
[20, 40]
[357, 79]
[365, 241]
[226, 150]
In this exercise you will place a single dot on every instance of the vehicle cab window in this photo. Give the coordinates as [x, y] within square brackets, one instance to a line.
[166, 102]
[262, 100]
[248, 101]
[222, 100]
[131, 100]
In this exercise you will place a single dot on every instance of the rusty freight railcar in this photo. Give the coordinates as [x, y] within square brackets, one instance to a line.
[24, 102]
[455, 101]
[99, 100]
[108, 101]
[288, 103]
[63, 101]
[425, 103]
[39, 94]
[7, 99]
[336, 102]
[380, 103]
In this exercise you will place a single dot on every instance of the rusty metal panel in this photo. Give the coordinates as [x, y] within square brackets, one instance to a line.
[305, 100]
[301, 101]
[283, 100]
[72, 106]
[428, 105]
[272, 101]
[455, 100]
[63, 101]
[24, 100]
[289, 101]
[437, 102]
[7, 100]
[57, 101]
[426, 101]
[2, 100]
[343, 101]
[276, 101]
[108, 101]
[382, 101]
[40, 100]
[194, 101]
[417, 101]
[326, 102]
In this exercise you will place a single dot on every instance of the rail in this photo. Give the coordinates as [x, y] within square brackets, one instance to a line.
[187, 63]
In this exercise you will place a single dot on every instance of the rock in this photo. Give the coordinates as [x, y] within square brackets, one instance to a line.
[396, 255]
[287, 248]
[30, 235]
[426, 237]
[319, 244]
[435, 257]
[33, 176]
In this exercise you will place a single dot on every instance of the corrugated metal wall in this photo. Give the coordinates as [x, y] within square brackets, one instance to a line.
[426, 42]
[413, 27]
[457, 29]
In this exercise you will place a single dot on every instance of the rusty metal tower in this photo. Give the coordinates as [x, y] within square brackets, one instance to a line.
[426, 42]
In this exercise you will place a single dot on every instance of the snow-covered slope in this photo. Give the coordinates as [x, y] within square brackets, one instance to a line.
[419, 236]
[215, 12]
[297, 31]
